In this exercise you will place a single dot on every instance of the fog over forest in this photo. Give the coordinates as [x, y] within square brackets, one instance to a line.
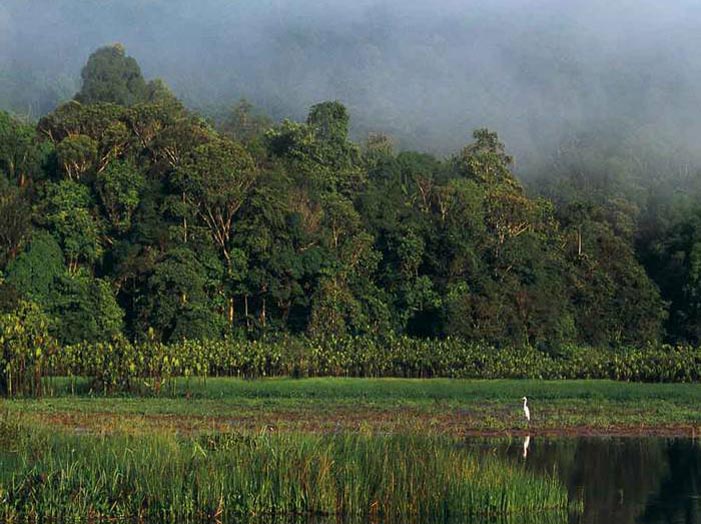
[542, 73]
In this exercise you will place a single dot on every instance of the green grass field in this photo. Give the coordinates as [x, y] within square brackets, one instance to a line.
[396, 405]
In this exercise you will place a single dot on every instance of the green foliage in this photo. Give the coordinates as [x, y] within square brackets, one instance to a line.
[485, 160]
[26, 348]
[611, 288]
[244, 123]
[150, 366]
[21, 155]
[68, 215]
[76, 154]
[179, 302]
[34, 272]
[320, 149]
[243, 476]
[85, 308]
[170, 230]
[119, 186]
[673, 258]
[15, 220]
[214, 180]
[329, 121]
[111, 76]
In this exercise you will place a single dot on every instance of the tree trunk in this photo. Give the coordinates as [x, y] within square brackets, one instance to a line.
[230, 313]
[579, 240]
[184, 224]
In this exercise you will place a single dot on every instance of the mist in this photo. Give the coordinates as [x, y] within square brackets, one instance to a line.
[542, 73]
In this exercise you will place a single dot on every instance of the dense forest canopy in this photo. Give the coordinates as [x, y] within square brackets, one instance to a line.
[126, 213]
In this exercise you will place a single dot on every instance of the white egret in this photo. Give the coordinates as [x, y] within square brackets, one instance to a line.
[526, 411]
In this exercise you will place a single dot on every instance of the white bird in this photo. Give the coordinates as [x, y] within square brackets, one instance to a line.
[526, 411]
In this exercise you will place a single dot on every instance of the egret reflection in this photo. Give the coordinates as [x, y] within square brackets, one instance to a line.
[526, 443]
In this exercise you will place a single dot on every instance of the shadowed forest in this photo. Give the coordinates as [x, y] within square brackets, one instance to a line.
[123, 212]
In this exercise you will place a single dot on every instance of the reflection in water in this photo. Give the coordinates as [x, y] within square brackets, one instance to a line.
[678, 497]
[526, 443]
[614, 477]
[624, 480]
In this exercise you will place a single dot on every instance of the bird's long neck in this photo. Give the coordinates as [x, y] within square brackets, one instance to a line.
[525, 400]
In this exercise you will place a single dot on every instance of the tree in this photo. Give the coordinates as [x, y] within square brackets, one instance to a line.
[673, 259]
[271, 243]
[172, 145]
[76, 155]
[21, 155]
[15, 220]
[67, 213]
[85, 308]
[486, 161]
[329, 121]
[244, 123]
[34, 272]
[119, 187]
[215, 180]
[319, 151]
[178, 302]
[111, 76]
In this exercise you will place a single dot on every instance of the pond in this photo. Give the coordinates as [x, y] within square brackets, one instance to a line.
[646, 480]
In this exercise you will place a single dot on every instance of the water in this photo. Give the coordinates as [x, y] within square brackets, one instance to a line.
[647, 480]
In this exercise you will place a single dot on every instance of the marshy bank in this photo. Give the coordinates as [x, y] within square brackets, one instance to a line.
[62, 476]
[458, 408]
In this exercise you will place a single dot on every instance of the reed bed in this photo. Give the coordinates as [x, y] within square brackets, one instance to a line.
[211, 477]
[148, 367]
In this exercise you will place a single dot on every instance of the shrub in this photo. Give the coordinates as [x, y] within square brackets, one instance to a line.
[26, 348]
[148, 367]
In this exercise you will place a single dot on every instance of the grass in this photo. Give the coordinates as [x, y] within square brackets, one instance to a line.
[454, 407]
[217, 476]
[333, 448]
[353, 450]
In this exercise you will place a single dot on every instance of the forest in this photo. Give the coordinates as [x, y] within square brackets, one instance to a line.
[125, 214]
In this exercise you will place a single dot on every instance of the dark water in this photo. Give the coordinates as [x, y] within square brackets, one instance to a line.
[621, 480]
[647, 480]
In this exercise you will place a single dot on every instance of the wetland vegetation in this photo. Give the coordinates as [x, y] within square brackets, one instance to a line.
[439, 406]
[391, 450]
[210, 476]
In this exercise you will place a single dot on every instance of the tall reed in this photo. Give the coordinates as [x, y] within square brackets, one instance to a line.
[210, 477]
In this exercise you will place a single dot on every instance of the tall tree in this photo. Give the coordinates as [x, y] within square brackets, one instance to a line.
[15, 220]
[214, 180]
[68, 215]
[112, 76]
[21, 155]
